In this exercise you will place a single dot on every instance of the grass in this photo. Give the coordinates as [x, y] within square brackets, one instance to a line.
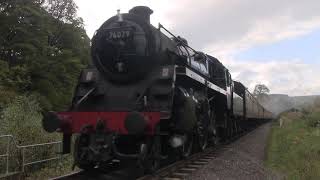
[294, 148]
[56, 169]
[22, 119]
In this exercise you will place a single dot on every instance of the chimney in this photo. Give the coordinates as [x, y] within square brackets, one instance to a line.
[142, 11]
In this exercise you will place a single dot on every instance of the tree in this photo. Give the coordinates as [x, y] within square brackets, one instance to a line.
[63, 10]
[42, 50]
[260, 90]
[43, 47]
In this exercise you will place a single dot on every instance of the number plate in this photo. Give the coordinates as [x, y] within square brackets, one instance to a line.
[119, 33]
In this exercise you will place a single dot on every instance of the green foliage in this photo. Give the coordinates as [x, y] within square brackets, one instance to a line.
[43, 47]
[6, 95]
[63, 10]
[313, 119]
[22, 119]
[295, 148]
[17, 77]
[62, 167]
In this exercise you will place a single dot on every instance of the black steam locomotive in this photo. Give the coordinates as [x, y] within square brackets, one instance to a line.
[147, 97]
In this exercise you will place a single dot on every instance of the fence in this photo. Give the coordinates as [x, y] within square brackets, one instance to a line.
[15, 158]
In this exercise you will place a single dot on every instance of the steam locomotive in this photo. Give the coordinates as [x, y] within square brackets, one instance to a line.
[149, 96]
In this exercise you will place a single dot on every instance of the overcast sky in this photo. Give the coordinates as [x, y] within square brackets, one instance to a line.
[275, 42]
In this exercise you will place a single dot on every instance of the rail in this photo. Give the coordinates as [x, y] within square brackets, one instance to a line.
[25, 155]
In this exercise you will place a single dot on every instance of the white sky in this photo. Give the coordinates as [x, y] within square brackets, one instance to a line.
[223, 28]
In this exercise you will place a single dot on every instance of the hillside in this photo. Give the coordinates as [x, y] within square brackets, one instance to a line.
[278, 103]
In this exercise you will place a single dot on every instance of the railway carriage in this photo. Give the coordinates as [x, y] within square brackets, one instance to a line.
[148, 96]
[247, 108]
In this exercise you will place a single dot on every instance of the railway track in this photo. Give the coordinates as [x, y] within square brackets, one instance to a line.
[123, 174]
[112, 170]
[181, 169]
[175, 171]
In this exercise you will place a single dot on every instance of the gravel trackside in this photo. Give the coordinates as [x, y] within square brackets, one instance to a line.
[242, 159]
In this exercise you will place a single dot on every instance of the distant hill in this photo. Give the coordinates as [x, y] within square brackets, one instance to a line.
[278, 103]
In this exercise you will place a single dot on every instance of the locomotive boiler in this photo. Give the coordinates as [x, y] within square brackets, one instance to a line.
[147, 96]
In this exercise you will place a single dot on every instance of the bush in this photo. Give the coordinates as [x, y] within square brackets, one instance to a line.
[313, 120]
[22, 119]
